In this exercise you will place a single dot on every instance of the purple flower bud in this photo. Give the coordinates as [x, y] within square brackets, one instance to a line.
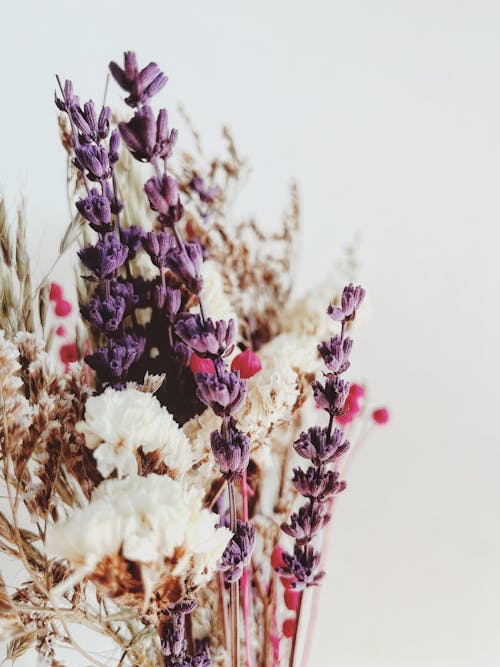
[114, 145]
[120, 288]
[116, 204]
[105, 314]
[231, 450]
[94, 160]
[165, 140]
[317, 483]
[335, 354]
[140, 134]
[132, 238]
[103, 123]
[307, 522]
[206, 194]
[96, 209]
[350, 302]
[332, 395]
[158, 246]
[105, 257]
[315, 444]
[238, 552]
[69, 99]
[224, 392]
[173, 303]
[186, 264]
[182, 354]
[204, 337]
[141, 85]
[302, 567]
[173, 643]
[163, 194]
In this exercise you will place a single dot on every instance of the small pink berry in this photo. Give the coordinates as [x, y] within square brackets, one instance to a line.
[356, 391]
[247, 363]
[277, 557]
[61, 331]
[380, 416]
[200, 365]
[63, 308]
[56, 292]
[289, 627]
[292, 598]
[68, 353]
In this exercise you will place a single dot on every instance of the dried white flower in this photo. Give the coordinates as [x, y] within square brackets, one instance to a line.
[215, 299]
[156, 522]
[117, 423]
[14, 406]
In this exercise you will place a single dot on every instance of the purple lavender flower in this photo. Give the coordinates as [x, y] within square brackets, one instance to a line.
[146, 137]
[223, 392]
[307, 522]
[301, 566]
[92, 128]
[186, 264]
[335, 354]
[163, 197]
[172, 303]
[105, 257]
[332, 395]
[237, 555]
[105, 314]
[319, 446]
[120, 288]
[317, 483]
[158, 246]
[69, 98]
[140, 84]
[231, 450]
[206, 194]
[132, 237]
[350, 302]
[173, 643]
[111, 363]
[206, 338]
[96, 209]
[94, 159]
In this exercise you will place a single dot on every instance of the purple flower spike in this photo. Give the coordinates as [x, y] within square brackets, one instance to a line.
[173, 643]
[307, 522]
[238, 553]
[206, 338]
[114, 145]
[140, 134]
[186, 264]
[158, 246]
[320, 447]
[96, 209]
[105, 257]
[93, 159]
[317, 483]
[231, 451]
[302, 567]
[224, 392]
[335, 354]
[172, 302]
[141, 85]
[332, 395]
[350, 301]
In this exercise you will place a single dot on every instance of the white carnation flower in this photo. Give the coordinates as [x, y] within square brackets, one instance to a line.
[117, 423]
[156, 522]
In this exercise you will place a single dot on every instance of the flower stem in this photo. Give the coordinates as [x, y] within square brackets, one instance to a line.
[234, 602]
[296, 634]
[245, 579]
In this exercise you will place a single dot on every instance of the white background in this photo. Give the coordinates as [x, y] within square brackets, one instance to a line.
[388, 114]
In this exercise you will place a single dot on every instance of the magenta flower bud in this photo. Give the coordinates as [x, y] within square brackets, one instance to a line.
[247, 363]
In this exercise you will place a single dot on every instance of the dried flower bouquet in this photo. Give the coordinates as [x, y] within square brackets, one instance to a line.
[154, 492]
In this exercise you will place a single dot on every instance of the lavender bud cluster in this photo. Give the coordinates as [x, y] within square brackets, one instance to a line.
[113, 299]
[321, 446]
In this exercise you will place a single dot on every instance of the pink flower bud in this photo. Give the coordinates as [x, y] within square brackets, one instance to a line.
[247, 363]
[380, 416]
[287, 582]
[63, 308]
[356, 391]
[56, 292]
[199, 365]
[289, 627]
[60, 331]
[292, 598]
